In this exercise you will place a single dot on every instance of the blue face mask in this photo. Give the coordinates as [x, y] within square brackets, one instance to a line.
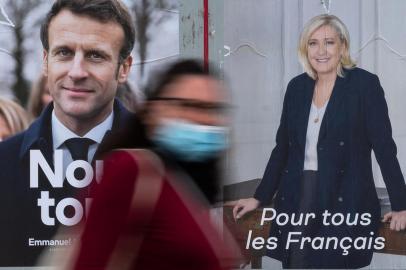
[188, 141]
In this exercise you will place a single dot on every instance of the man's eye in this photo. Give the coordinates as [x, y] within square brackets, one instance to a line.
[64, 53]
[95, 56]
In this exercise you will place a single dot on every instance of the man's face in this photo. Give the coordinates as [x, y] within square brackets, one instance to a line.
[82, 66]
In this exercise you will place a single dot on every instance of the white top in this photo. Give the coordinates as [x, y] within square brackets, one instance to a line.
[312, 136]
[60, 133]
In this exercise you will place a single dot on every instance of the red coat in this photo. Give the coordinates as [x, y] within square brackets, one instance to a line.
[177, 233]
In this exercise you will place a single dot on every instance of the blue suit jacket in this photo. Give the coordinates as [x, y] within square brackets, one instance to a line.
[356, 121]
[20, 215]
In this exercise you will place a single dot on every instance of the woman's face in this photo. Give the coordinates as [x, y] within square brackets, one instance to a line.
[324, 50]
[5, 131]
[196, 99]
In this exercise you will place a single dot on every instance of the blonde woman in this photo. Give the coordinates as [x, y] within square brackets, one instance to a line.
[13, 118]
[39, 97]
[333, 116]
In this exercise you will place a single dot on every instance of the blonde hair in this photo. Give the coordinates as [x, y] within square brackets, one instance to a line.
[14, 115]
[314, 24]
[35, 104]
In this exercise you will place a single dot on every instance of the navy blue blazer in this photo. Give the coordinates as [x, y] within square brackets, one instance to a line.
[356, 121]
[20, 217]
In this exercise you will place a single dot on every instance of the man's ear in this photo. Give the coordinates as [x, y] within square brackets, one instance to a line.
[45, 63]
[124, 70]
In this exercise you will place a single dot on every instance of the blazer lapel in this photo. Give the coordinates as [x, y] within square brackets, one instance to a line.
[333, 105]
[304, 103]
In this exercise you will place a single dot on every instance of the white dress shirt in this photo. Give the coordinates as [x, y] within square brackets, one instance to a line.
[60, 133]
[312, 137]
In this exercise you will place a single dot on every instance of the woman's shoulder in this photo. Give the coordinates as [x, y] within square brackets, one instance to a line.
[366, 83]
[352, 72]
[300, 79]
[359, 73]
[299, 82]
[132, 159]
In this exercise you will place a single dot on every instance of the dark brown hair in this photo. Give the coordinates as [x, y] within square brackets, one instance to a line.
[176, 70]
[101, 10]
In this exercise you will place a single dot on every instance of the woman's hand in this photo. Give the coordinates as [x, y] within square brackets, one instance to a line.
[243, 206]
[397, 220]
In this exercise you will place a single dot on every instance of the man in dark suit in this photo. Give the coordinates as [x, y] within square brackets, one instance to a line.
[87, 47]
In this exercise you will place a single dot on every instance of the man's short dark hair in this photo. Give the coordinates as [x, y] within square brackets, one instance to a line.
[101, 10]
